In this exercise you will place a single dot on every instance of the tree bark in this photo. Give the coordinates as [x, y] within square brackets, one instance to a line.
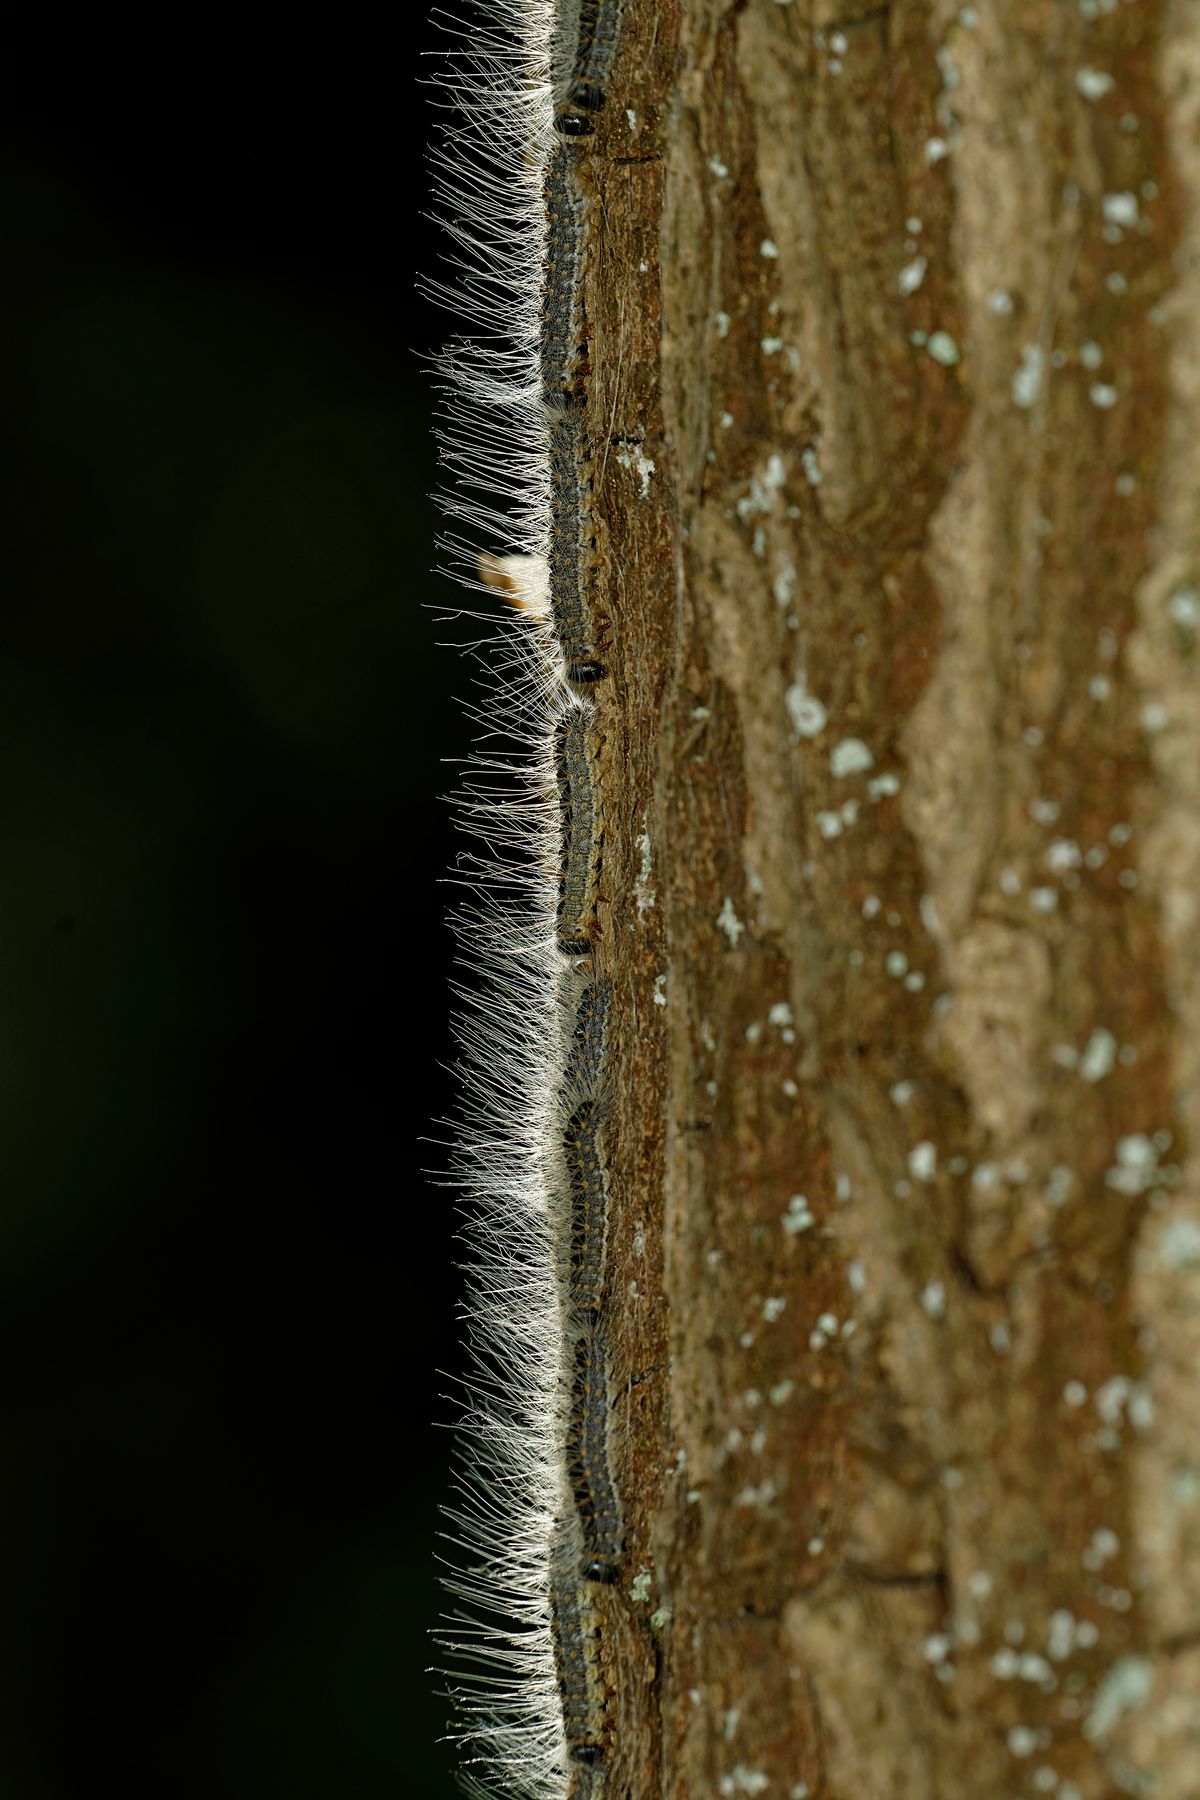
[895, 322]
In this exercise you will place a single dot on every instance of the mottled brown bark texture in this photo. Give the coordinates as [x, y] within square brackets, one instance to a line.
[896, 321]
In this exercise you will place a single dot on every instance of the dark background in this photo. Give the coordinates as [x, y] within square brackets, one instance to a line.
[226, 1286]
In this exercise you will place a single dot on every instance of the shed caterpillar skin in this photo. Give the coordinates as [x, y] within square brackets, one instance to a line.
[577, 756]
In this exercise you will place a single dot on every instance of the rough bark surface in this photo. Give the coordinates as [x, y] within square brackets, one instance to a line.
[896, 318]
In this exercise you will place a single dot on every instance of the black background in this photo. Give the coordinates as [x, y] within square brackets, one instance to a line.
[226, 1286]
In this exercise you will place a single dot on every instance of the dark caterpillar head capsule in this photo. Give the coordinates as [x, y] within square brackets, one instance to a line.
[598, 1569]
[571, 124]
[586, 96]
[586, 1753]
[584, 672]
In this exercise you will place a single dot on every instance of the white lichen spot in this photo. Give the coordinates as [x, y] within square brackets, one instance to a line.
[1154, 717]
[1103, 395]
[742, 1780]
[1027, 382]
[1059, 1184]
[798, 1216]
[810, 463]
[719, 169]
[829, 824]
[722, 322]
[856, 1275]
[943, 349]
[771, 346]
[659, 1617]
[912, 275]
[808, 716]
[1075, 1394]
[1090, 354]
[643, 892]
[729, 923]
[1136, 1167]
[769, 248]
[1179, 1242]
[773, 1307]
[660, 990]
[1183, 607]
[784, 585]
[764, 489]
[1120, 209]
[781, 1393]
[1126, 1686]
[634, 458]
[1063, 854]
[883, 787]
[1022, 1740]
[1099, 1055]
[1093, 84]
[936, 148]
[850, 757]
[640, 1586]
[1043, 899]
[999, 303]
[922, 1161]
[933, 1299]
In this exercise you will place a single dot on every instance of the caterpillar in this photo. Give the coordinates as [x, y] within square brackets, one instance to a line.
[589, 1026]
[568, 204]
[597, 25]
[580, 627]
[582, 829]
[586, 1176]
[576, 1636]
[588, 1454]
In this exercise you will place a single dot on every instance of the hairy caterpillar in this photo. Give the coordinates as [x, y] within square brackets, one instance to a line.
[577, 756]
[588, 1454]
[576, 1636]
[568, 222]
[596, 24]
[588, 1027]
[573, 561]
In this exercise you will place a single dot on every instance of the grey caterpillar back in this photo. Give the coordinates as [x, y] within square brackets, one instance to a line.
[578, 744]
[588, 1455]
[578, 622]
[567, 225]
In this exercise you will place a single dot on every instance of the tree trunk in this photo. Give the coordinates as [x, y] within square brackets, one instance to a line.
[895, 338]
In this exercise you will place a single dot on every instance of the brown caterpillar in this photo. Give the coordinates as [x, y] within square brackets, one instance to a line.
[577, 752]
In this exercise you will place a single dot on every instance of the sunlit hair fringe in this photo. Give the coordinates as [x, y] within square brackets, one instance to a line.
[496, 81]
